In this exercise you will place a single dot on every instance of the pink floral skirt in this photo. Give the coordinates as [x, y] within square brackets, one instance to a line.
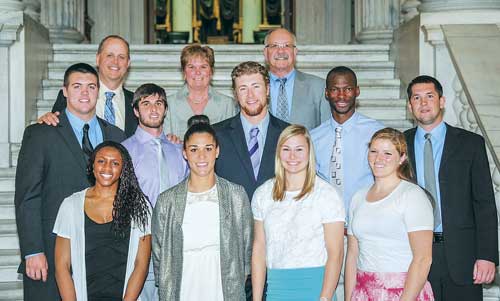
[372, 286]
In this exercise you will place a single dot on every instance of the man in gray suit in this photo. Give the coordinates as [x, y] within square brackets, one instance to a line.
[296, 97]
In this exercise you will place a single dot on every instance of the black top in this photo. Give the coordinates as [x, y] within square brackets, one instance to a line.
[105, 261]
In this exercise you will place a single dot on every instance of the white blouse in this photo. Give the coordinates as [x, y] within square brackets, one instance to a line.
[294, 229]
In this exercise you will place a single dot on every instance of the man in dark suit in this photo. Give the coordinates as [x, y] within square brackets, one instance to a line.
[114, 103]
[51, 166]
[296, 97]
[452, 165]
[237, 161]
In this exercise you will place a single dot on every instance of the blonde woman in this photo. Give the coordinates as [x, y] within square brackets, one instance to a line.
[389, 249]
[299, 223]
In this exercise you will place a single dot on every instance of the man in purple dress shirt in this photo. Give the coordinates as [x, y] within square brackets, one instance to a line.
[158, 163]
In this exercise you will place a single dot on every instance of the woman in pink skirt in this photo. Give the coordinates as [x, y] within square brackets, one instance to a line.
[389, 249]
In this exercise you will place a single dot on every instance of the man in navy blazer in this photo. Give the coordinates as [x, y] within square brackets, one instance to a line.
[465, 248]
[251, 90]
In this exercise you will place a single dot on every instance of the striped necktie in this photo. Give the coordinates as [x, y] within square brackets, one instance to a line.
[109, 111]
[282, 108]
[253, 150]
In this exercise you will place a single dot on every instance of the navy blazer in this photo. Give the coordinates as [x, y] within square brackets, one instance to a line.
[468, 209]
[234, 162]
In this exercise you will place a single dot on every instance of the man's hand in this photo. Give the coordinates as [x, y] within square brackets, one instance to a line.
[174, 139]
[484, 271]
[49, 118]
[37, 267]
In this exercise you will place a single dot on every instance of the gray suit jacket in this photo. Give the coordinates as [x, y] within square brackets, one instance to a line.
[309, 105]
[236, 235]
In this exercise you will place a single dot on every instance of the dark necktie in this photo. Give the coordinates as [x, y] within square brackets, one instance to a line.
[86, 145]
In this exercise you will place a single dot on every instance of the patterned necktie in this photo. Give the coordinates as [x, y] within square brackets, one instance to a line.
[253, 150]
[430, 178]
[336, 175]
[162, 168]
[86, 145]
[282, 108]
[109, 111]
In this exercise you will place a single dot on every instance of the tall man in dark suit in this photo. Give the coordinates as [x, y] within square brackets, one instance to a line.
[114, 102]
[52, 165]
[452, 165]
[248, 140]
[296, 97]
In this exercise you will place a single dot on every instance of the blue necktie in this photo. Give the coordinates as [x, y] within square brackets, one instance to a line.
[282, 106]
[109, 111]
[430, 178]
[253, 150]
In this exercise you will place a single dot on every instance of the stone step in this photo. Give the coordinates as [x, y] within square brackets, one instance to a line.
[9, 241]
[370, 88]
[234, 53]
[171, 70]
[9, 258]
[8, 226]
[7, 197]
[9, 273]
[7, 211]
[7, 177]
[11, 291]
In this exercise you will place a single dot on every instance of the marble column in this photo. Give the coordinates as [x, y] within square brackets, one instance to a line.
[65, 20]
[32, 8]
[376, 20]
[182, 16]
[11, 5]
[252, 17]
[409, 9]
[440, 5]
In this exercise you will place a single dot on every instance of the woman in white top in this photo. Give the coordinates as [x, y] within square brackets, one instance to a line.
[299, 221]
[389, 249]
[103, 242]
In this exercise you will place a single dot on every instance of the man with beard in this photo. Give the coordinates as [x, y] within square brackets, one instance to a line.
[296, 97]
[248, 140]
[341, 142]
[158, 163]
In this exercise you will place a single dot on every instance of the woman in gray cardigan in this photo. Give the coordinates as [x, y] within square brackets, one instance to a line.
[202, 229]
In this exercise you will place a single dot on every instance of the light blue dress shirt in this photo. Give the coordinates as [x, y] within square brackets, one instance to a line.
[261, 138]
[275, 90]
[356, 134]
[438, 134]
[95, 132]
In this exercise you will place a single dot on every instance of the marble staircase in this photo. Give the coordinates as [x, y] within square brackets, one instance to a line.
[380, 98]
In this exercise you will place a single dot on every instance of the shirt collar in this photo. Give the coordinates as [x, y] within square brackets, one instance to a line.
[347, 125]
[262, 125]
[78, 124]
[143, 137]
[289, 77]
[103, 89]
[439, 132]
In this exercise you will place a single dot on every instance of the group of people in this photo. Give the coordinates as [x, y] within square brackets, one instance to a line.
[276, 195]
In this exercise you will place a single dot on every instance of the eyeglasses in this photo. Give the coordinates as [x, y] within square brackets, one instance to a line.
[282, 46]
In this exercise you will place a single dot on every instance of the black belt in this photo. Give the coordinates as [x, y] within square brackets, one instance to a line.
[438, 237]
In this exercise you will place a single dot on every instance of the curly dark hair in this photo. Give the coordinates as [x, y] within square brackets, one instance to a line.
[130, 202]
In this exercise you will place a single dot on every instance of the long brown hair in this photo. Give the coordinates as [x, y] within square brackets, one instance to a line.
[398, 140]
[279, 187]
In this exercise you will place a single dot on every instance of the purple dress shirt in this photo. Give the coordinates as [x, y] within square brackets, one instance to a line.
[143, 150]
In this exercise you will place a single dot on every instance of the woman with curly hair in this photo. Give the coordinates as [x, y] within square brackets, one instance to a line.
[103, 243]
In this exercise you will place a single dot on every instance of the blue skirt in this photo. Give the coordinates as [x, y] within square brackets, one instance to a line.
[303, 284]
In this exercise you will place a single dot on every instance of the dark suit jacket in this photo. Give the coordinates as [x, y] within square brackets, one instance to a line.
[51, 166]
[468, 208]
[130, 119]
[234, 161]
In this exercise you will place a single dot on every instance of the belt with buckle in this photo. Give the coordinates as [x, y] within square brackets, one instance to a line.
[438, 237]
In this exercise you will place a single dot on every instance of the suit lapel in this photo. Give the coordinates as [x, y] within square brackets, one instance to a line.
[298, 106]
[451, 142]
[240, 145]
[411, 151]
[66, 131]
[266, 163]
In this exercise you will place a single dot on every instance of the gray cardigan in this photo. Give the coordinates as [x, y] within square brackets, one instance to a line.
[236, 236]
